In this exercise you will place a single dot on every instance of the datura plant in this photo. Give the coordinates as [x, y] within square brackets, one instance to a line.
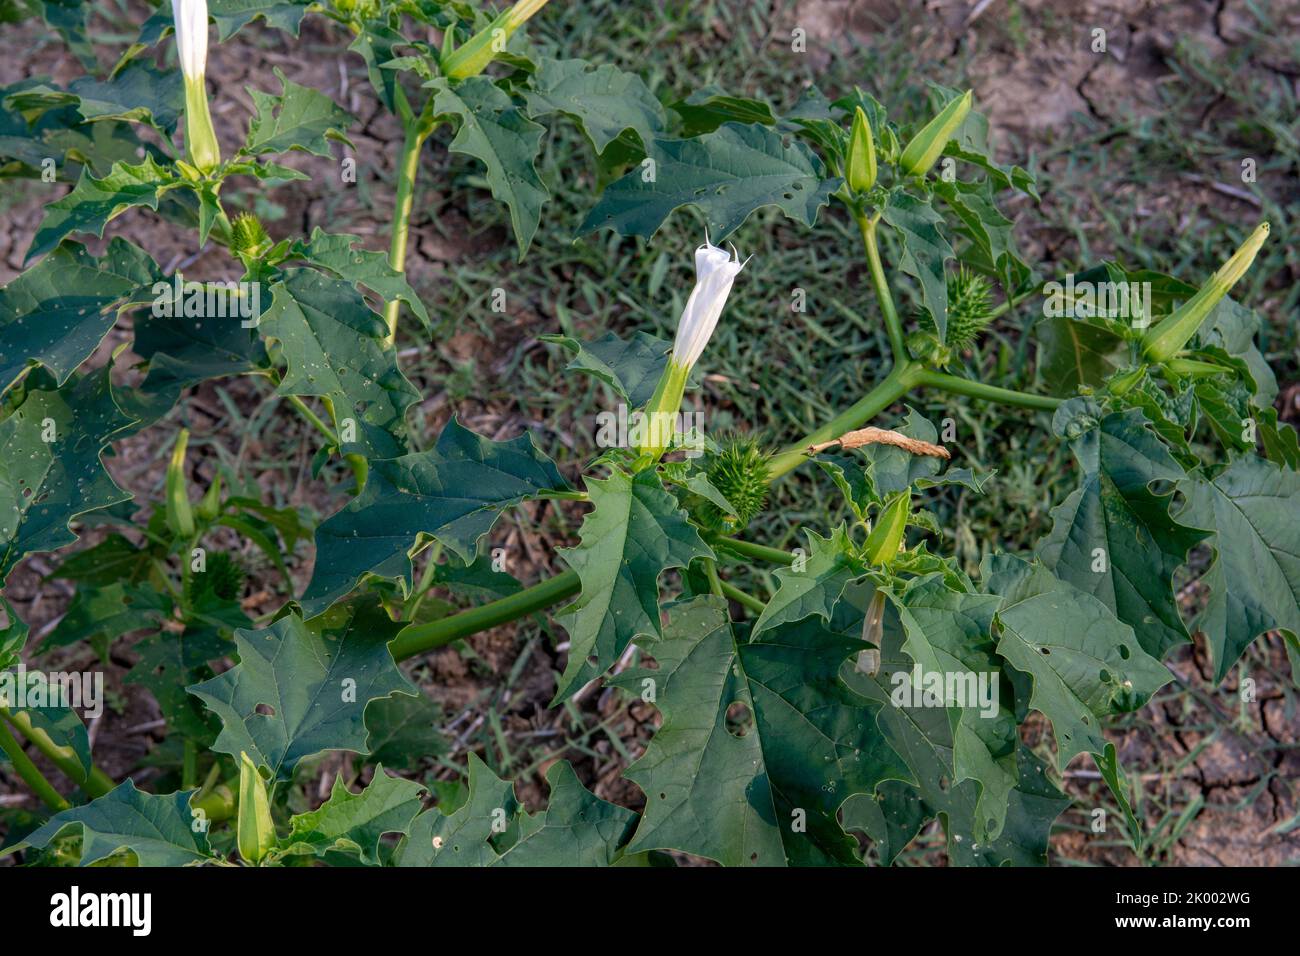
[819, 705]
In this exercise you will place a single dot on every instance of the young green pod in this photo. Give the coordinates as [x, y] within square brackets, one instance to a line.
[886, 536]
[1164, 339]
[860, 164]
[209, 505]
[180, 519]
[254, 831]
[927, 145]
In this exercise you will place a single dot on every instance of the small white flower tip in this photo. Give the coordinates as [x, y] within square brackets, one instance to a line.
[190, 17]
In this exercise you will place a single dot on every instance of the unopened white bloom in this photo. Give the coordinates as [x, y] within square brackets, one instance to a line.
[715, 271]
[191, 19]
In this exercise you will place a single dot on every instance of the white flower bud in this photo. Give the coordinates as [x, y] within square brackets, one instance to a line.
[715, 271]
[191, 19]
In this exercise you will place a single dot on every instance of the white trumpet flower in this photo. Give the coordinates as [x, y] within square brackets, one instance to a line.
[715, 271]
[191, 21]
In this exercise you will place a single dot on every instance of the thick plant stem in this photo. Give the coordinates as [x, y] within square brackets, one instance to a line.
[902, 378]
[893, 325]
[419, 638]
[740, 597]
[97, 783]
[759, 552]
[31, 775]
[417, 130]
[992, 393]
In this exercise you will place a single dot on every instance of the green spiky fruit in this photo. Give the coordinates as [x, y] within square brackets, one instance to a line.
[247, 235]
[970, 308]
[739, 470]
[222, 579]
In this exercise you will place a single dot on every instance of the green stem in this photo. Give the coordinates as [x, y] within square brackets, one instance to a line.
[740, 597]
[418, 638]
[31, 775]
[893, 325]
[417, 129]
[902, 378]
[96, 784]
[992, 393]
[748, 549]
[711, 572]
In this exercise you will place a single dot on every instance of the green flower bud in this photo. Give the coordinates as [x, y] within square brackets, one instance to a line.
[472, 57]
[255, 831]
[927, 146]
[886, 536]
[860, 165]
[1164, 339]
[180, 519]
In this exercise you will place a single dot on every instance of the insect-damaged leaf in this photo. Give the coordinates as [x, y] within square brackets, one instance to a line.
[157, 829]
[634, 533]
[302, 688]
[298, 118]
[1084, 664]
[576, 828]
[57, 312]
[454, 493]
[726, 174]
[354, 823]
[50, 470]
[761, 792]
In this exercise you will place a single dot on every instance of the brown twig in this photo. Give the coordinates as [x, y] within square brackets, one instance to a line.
[882, 436]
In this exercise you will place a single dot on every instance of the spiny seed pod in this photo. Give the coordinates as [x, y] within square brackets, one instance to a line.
[739, 470]
[247, 236]
[969, 307]
[223, 579]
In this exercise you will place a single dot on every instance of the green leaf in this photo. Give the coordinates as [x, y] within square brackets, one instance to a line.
[333, 345]
[69, 17]
[139, 93]
[765, 793]
[949, 633]
[1254, 581]
[454, 493]
[13, 638]
[925, 737]
[1073, 354]
[1084, 664]
[62, 725]
[983, 223]
[971, 144]
[361, 267]
[377, 44]
[167, 663]
[44, 484]
[302, 688]
[603, 99]
[498, 134]
[709, 107]
[57, 312]
[634, 533]
[1113, 537]
[157, 829]
[726, 174]
[100, 615]
[115, 560]
[355, 823]
[813, 584]
[231, 15]
[925, 250]
[298, 118]
[632, 366]
[90, 206]
[403, 730]
[576, 828]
